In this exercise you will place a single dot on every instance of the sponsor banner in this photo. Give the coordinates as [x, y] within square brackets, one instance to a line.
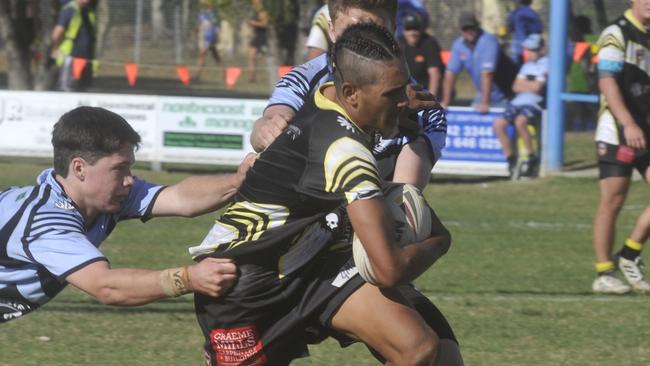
[212, 131]
[27, 118]
[472, 148]
[206, 130]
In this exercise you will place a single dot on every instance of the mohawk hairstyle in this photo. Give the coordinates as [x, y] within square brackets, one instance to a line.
[357, 52]
[336, 7]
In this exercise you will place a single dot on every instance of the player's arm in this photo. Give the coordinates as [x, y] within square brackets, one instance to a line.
[418, 157]
[611, 56]
[414, 164]
[393, 264]
[196, 195]
[131, 287]
[268, 127]
[633, 134]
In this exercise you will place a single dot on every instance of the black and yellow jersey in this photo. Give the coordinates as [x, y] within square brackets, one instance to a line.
[321, 162]
[624, 53]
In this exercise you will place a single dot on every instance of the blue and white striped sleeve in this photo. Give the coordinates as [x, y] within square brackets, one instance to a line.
[296, 86]
[434, 130]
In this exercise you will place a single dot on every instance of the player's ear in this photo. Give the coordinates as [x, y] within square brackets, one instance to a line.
[350, 93]
[77, 168]
[330, 31]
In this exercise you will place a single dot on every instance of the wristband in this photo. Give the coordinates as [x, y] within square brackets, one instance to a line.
[175, 281]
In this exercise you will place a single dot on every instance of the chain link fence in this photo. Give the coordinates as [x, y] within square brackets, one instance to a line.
[158, 34]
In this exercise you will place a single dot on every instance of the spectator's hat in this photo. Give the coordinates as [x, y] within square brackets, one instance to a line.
[467, 19]
[412, 21]
[533, 42]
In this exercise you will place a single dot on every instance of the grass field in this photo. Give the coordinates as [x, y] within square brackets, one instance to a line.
[515, 284]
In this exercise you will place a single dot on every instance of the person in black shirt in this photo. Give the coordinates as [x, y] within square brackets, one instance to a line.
[422, 53]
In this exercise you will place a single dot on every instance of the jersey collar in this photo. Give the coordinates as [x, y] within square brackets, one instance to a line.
[323, 103]
[630, 16]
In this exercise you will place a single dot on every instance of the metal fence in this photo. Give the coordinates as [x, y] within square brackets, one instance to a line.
[157, 34]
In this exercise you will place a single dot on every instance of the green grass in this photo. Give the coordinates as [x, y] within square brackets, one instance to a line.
[515, 284]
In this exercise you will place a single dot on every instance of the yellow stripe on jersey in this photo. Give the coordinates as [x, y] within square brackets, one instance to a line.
[348, 171]
[611, 40]
[347, 160]
[256, 217]
[242, 222]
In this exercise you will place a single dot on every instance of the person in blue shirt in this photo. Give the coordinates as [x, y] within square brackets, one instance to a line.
[522, 22]
[526, 107]
[480, 54]
[50, 232]
[207, 33]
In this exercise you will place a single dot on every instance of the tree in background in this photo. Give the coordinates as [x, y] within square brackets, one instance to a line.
[27, 43]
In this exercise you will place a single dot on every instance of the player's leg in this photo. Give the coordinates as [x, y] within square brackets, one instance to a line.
[614, 184]
[381, 319]
[629, 257]
[448, 349]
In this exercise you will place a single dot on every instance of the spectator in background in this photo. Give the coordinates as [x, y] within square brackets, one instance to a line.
[522, 22]
[259, 22]
[526, 107]
[583, 77]
[286, 30]
[622, 139]
[422, 53]
[207, 32]
[492, 72]
[405, 7]
[74, 36]
[318, 40]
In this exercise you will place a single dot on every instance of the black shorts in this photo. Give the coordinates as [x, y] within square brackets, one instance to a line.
[263, 320]
[620, 160]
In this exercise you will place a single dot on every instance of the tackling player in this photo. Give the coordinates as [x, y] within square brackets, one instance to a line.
[50, 233]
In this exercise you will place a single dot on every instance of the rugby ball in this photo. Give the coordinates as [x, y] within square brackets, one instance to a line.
[412, 217]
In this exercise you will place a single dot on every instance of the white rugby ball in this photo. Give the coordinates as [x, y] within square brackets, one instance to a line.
[412, 217]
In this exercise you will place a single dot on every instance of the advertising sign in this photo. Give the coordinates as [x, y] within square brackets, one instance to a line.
[472, 148]
[27, 118]
[207, 130]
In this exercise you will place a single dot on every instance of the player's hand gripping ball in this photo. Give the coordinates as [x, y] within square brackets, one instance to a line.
[412, 217]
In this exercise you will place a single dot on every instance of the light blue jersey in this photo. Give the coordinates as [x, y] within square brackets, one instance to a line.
[44, 238]
[300, 83]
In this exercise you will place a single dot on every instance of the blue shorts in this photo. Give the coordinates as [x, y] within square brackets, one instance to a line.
[532, 113]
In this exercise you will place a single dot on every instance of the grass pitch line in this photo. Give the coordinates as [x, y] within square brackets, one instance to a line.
[629, 298]
[526, 225]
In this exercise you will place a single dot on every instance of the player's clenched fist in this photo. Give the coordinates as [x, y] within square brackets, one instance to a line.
[213, 276]
[266, 130]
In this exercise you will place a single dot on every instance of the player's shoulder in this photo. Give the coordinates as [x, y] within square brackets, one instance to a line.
[612, 35]
[314, 66]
